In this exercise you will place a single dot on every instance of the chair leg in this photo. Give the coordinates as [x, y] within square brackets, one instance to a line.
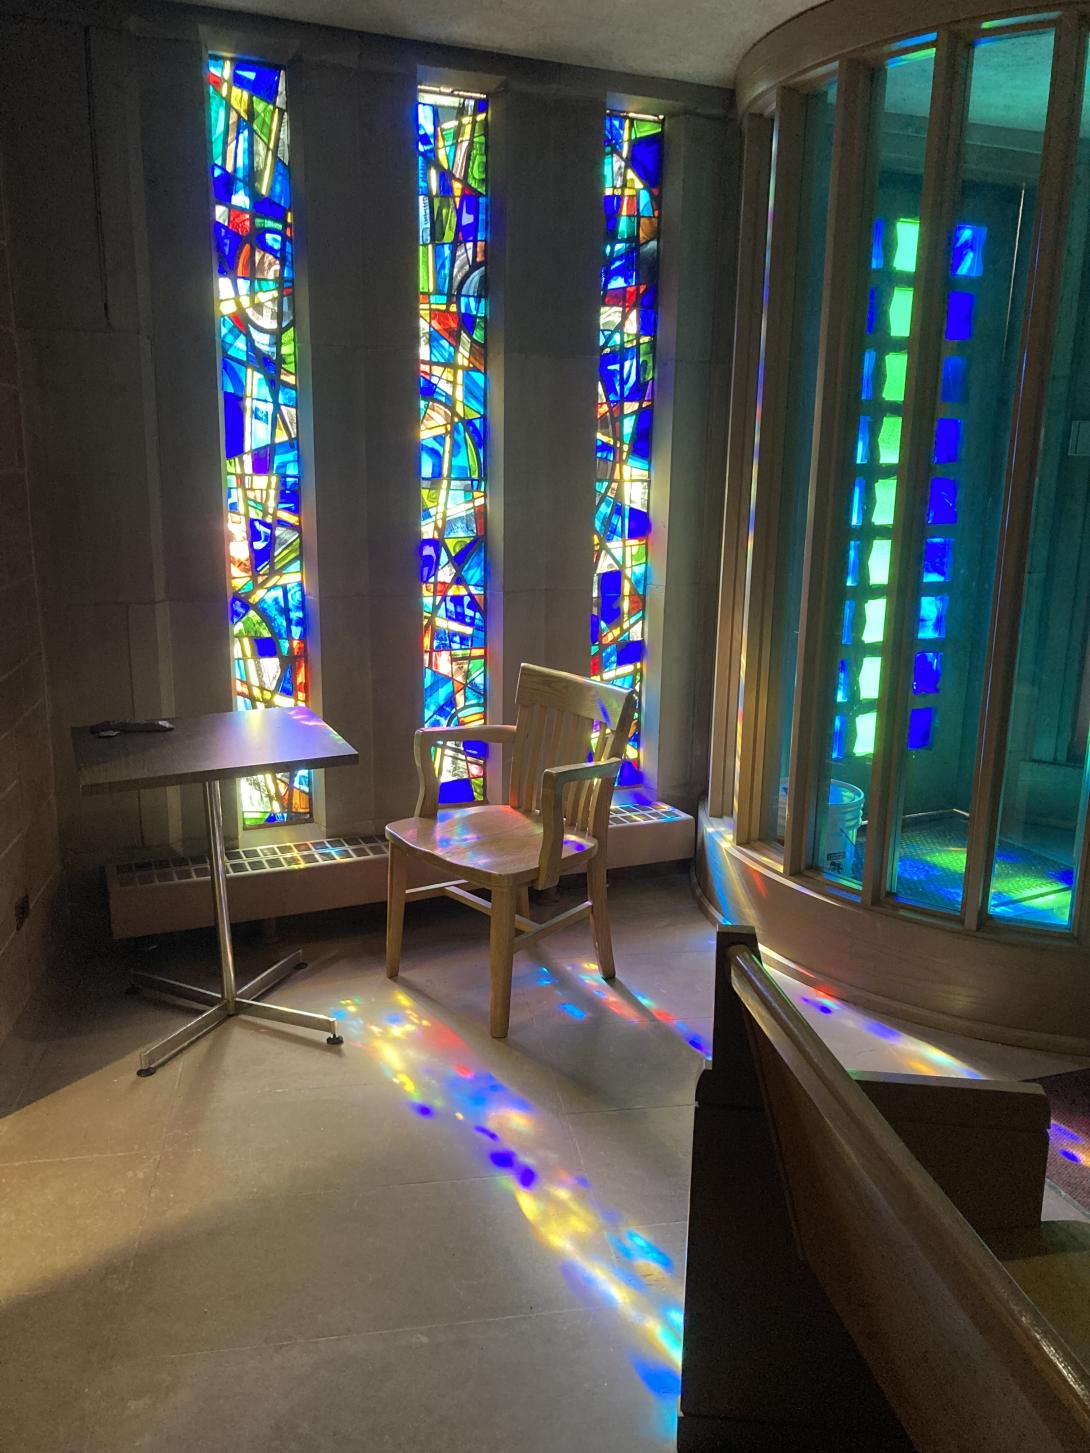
[501, 948]
[524, 900]
[396, 875]
[599, 915]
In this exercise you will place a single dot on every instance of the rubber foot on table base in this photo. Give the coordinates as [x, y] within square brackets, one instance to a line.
[334, 1039]
[145, 1073]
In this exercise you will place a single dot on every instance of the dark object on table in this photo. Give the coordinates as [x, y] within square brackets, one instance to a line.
[115, 728]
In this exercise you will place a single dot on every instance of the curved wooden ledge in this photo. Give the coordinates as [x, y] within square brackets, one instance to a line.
[1006, 988]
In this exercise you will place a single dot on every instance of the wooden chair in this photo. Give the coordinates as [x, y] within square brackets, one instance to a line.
[556, 818]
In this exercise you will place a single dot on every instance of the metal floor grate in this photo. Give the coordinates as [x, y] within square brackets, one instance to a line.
[316, 853]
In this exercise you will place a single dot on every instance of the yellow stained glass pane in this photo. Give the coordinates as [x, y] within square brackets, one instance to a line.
[908, 239]
[885, 494]
[889, 440]
[878, 563]
[865, 724]
[870, 677]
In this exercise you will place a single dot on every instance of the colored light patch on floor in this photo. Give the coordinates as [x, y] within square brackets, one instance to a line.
[605, 1262]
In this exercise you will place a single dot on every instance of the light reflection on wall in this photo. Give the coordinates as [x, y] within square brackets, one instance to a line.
[604, 1261]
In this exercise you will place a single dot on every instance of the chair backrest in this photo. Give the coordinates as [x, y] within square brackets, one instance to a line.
[965, 1359]
[557, 713]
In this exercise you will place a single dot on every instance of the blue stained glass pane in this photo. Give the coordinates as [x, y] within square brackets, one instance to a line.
[843, 682]
[859, 494]
[932, 626]
[955, 379]
[840, 724]
[947, 441]
[959, 316]
[853, 563]
[942, 505]
[872, 309]
[846, 627]
[926, 673]
[967, 251]
[876, 253]
[862, 441]
[869, 358]
[920, 724]
[936, 559]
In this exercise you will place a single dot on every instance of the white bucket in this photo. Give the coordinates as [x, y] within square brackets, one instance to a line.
[840, 828]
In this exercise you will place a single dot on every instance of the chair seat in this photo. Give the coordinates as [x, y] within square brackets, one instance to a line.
[486, 844]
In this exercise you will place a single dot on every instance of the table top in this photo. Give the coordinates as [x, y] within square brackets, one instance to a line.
[224, 745]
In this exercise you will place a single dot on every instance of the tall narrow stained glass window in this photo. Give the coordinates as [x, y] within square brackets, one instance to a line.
[452, 157]
[252, 226]
[626, 387]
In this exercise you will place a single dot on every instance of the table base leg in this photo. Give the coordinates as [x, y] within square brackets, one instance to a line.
[248, 1003]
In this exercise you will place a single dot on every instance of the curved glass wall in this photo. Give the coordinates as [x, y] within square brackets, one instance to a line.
[868, 484]
[986, 268]
[917, 682]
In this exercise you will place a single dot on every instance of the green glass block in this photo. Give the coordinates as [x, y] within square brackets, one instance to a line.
[889, 440]
[878, 563]
[908, 240]
[893, 385]
[885, 495]
[870, 678]
[900, 313]
[865, 724]
[874, 620]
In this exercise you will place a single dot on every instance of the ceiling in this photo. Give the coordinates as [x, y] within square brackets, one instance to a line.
[685, 40]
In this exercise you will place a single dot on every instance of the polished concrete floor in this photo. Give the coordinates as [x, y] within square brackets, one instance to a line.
[425, 1240]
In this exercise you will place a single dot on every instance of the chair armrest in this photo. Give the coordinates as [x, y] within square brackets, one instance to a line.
[553, 782]
[425, 738]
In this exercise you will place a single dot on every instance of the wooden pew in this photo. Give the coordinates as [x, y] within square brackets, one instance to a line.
[836, 1297]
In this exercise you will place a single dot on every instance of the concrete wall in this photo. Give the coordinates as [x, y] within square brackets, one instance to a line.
[29, 856]
[112, 278]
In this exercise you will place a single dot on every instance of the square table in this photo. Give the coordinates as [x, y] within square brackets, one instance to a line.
[211, 749]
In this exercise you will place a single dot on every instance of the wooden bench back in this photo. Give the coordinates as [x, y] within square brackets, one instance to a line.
[965, 1359]
[557, 712]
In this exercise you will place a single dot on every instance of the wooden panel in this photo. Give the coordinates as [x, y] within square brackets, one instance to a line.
[1052, 1266]
[223, 745]
[541, 686]
[774, 374]
[837, 385]
[753, 221]
[965, 1359]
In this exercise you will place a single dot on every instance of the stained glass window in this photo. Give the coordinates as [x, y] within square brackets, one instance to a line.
[452, 157]
[626, 387]
[252, 225]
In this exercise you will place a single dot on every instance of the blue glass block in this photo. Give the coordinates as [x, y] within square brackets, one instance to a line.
[859, 493]
[846, 629]
[967, 250]
[840, 725]
[843, 682]
[920, 722]
[947, 440]
[867, 390]
[853, 563]
[955, 379]
[862, 441]
[942, 504]
[876, 255]
[936, 559]
[933, 617]
[926, 673]
[959, 316]
[872, 309]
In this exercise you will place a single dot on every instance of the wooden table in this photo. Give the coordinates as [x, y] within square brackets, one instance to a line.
[210, 750]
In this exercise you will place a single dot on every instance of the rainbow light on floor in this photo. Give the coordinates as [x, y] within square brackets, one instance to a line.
[601, 1259]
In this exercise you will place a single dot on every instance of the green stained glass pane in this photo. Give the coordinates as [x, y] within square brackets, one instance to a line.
[889, 440]
[865, 723]
[874, 620]
[870, 677]
[900, 312]
[885, 495]
[908, 237]
[893, 385]
[878, 563]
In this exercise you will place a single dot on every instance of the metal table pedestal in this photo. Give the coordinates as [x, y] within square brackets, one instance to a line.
[228, 1001]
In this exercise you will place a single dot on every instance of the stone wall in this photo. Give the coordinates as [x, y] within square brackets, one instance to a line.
[30, 881]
